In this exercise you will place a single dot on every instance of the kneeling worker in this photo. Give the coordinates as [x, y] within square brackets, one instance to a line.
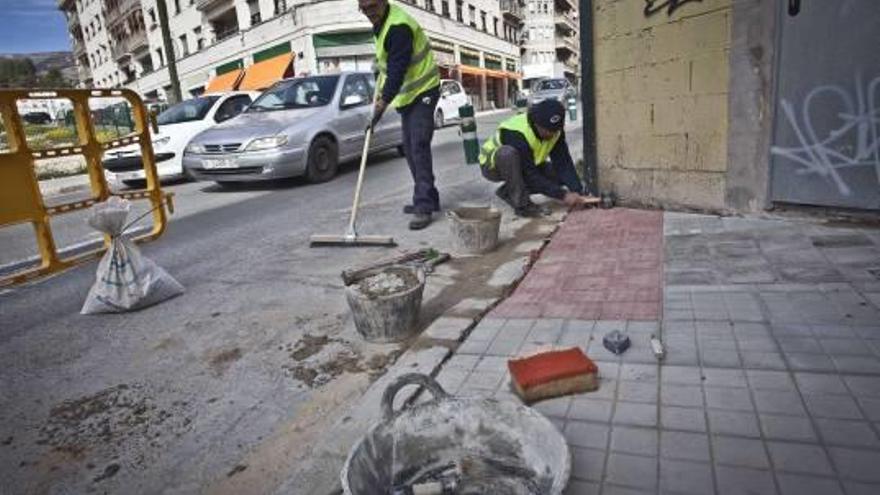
[517, 155]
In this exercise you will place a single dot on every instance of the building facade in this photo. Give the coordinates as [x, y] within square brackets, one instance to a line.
[475, 41]
[738, 106]
[550, 40]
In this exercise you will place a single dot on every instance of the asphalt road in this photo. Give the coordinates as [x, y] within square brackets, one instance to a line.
[168, 399]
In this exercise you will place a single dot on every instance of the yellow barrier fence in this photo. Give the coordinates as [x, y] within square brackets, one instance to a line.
[22, 202]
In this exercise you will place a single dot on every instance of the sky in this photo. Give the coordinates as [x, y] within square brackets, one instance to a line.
[32, 26]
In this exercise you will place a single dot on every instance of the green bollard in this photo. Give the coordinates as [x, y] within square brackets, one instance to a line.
[572, 109]
[469, 134]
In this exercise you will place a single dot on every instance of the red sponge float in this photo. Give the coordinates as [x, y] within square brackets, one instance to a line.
[552, 374]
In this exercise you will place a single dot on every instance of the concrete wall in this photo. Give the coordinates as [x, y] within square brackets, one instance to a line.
[662, 101]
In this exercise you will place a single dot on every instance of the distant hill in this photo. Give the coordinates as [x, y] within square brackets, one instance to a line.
[46, 61]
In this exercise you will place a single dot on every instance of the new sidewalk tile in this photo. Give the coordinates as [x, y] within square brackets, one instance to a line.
[799, 458]
[744, 452]
[685, 477]
[683, 418]
[857, 465]
[683, 445]
[847, 433]
[778, 402]
[633, 471]
[681, 395]
[587, 464]
[577, 487]
[733, 423]
[731, 399]
[744, 481]
[448, 328]
[583, 434]
[590, 409]
[632, 413]
[832, 406]
[793, 484]
[787, 428]
[631, 440]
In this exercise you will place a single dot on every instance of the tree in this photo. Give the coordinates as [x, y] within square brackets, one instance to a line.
[17, 73]
[54, 79]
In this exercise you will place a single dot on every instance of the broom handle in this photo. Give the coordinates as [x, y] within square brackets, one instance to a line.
[360, 181]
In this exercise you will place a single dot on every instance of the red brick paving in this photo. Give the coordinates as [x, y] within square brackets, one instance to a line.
[600, 265]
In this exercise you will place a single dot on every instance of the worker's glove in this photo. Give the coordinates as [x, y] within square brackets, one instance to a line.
[378, 111]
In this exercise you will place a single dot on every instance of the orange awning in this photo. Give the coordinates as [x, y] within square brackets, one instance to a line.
[266, 73]
[224, 82]
[474, 71]
[513, 75]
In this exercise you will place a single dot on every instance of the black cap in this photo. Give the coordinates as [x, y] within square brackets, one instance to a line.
[549, 114]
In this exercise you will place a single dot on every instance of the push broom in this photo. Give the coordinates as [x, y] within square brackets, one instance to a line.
[351, 237]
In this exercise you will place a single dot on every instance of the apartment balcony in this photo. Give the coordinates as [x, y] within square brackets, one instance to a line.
[126, 48]
[512, 11]
[565, 5]
[565, 23]
[204, 5]
[566, 46]
[119, 12]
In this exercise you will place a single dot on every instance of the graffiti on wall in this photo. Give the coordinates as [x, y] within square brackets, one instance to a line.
[852, 138]
[654, 6]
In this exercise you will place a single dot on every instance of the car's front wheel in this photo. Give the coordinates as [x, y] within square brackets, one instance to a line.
[323, 160]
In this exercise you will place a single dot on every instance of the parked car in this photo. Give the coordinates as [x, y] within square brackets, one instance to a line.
[178, 124]
[557, 89]
[452, 97]
[300, 126]
[37, 118]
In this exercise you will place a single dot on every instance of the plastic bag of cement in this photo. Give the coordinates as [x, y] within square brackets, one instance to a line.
[126, 280]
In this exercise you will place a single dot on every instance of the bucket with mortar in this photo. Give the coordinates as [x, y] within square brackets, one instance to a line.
[474, 229]
[385, 302]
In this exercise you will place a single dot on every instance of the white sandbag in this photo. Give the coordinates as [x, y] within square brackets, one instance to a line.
[126, 280]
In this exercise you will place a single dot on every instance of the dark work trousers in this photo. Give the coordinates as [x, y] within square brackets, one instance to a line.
[418, 131]
[508, 169]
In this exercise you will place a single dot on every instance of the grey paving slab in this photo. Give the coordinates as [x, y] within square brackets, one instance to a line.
[735, 451]
[799, 458]
[824, 384]
[587, 464]
[832, 406]
[632, 391]
[448, 328]
[871, 407]
[744, 481]
[857, 364]
[716, 377]
[684, 445]
[685, 375]
[633, 440]
[781, 427]
[639, 372]
[494, 364]
[610, 489]
[673, 394]
[720, 358]
[770, 380]
[863, 386]
[486, 329]
[856, 465]
[809, 362]
[794, 484]
[582, 434]
[731, 399]
[683, 418]
[577, 487]
[856, 488]
[763, 360]
[557, 407]
[847, 433]
[685, 477]
[631, 413]
[590, 409]
[733, 423]
[779, 402]
[633, 471]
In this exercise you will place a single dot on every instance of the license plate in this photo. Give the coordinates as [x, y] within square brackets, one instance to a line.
[219, 163]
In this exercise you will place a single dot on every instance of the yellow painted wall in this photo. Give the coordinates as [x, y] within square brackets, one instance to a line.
[661, 101]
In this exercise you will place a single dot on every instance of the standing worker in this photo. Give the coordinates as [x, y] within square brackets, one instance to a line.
[410, 82]
[517, 155]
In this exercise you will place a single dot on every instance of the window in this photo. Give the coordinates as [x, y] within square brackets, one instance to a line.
[200, 41]
[297, 93]
[254, 9]
[483, 20]
[357, 90]
[495, 25]
[532, 7]
[445, 6]
[184, 47]
[176, 7]
[545, 7]
[280, 6]
[187, 111]
[459, 10]
[429, 4]
[472, 15]
[232, 107]
[159, 58]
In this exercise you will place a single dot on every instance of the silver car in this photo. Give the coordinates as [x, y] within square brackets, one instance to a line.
[556, 89]
[300, 126]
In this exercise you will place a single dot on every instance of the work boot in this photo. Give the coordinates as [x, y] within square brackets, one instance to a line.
[420, 221]
[530, 210]
[411, 209]
[501, 192]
